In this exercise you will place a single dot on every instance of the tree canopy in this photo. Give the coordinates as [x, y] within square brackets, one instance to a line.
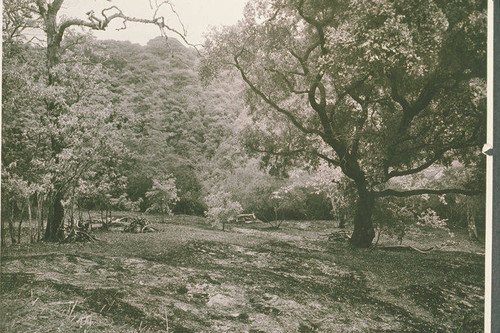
[381, 89]
[312, 105]
[63, 94]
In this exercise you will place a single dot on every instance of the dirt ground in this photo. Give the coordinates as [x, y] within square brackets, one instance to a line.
[188, 277]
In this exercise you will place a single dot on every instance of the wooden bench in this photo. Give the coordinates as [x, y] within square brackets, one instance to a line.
[246, 218]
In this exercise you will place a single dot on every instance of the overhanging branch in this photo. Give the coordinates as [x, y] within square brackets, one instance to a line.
[436, 156]
[410, 193]
[275, 106]
[425, 165]
[326, 158]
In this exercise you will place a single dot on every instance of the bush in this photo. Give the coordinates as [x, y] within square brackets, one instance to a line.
[162, 195]
[392, 217]
[397, 216]
[429, 218]
[124, 203]
[222, 209]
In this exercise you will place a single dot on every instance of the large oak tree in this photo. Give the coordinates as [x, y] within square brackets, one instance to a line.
[381, 89]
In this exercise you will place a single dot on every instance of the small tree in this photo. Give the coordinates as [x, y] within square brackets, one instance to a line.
[162, 196]
[222, 209]
[291, 202]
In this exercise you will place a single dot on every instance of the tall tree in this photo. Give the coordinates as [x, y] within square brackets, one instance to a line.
[381, 89]
[84, 124]
[22, 14]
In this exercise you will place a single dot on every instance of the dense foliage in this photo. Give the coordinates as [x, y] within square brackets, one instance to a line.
[319, 110]
[381, 89]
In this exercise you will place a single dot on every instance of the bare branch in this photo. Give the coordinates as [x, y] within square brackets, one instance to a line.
[178, 17]
[436, 156]
[33, 39]
[96, 23]
[317, 85]
[318, 25]
[423, 166]
[303, 60]
[320, 109]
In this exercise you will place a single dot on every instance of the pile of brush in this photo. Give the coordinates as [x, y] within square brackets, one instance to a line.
[78, 232]
[138, 225]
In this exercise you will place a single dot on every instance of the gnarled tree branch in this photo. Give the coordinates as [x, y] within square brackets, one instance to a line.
[97, 23]
[275, 106]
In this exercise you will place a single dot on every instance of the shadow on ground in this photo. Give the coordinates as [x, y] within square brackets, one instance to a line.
[190, 278]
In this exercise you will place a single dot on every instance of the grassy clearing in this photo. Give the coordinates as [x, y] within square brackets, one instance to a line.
[249, 279]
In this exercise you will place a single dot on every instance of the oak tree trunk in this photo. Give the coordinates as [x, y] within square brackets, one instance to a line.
[364, 232]
[54, 232]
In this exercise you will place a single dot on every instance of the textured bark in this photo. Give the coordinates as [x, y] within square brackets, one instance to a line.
[2, 231]
[364, 232]
[54, 232]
